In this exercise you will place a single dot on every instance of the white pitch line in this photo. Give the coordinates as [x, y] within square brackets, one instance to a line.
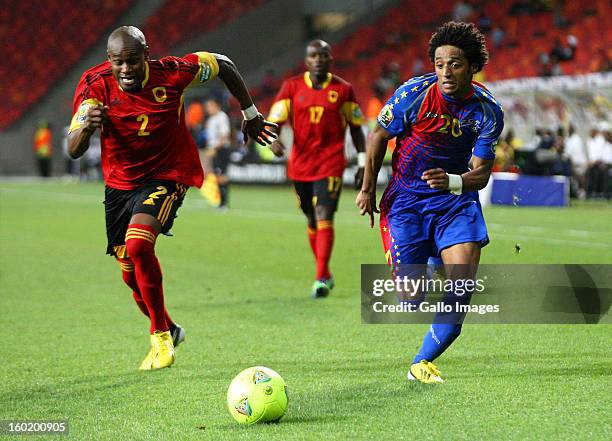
[526, 233]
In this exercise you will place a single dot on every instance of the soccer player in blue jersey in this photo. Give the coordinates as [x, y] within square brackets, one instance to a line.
[430, 207]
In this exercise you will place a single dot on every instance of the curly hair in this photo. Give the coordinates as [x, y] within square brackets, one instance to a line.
[466, 37]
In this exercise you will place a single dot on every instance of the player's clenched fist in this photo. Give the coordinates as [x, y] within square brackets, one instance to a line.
[436, 178]
[96, 116]
[278, 148]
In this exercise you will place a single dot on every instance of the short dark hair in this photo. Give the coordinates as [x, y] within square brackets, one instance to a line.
[466, 37]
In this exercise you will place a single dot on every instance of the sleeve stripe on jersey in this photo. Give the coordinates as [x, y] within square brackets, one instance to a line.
[280, 110]
[418, 98]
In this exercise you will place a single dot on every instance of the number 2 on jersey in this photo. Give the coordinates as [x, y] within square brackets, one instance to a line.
[145, 120]
[316, 113]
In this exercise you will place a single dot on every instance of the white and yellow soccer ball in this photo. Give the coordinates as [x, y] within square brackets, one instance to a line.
[257, 395]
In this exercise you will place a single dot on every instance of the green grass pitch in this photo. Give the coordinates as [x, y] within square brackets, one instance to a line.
[239, 283]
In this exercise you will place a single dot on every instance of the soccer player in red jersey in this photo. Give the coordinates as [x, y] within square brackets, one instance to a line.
[149, 159]
[319, 106]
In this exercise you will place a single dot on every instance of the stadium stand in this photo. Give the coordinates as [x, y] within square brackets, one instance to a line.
[528, 28]
[34, 62]
[176, 22]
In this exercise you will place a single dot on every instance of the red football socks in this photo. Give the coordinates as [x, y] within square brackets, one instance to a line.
[127, 272]
[325, 243]
[312, 239]
[140, 245]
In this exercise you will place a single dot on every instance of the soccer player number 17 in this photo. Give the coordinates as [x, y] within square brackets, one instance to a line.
[316, 113]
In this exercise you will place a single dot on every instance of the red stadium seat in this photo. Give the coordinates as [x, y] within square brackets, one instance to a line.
[37, 63]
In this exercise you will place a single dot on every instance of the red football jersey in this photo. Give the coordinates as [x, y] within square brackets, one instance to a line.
[146, 137]
[319, 118]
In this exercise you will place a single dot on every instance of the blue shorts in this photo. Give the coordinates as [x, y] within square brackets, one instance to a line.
[415, 227]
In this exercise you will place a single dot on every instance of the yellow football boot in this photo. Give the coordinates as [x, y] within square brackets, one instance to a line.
[147, 362]
[161, 354]
[163, 348]
[425, 372]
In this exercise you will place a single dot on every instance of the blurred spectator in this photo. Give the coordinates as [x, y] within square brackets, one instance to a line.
[559, 18]
[550, 66]
[515, 142]
[603, 62]
[91, 161]
[218, 132]
[43, 147]
[390, 77]
[484, 22]
[599, 149]
[194, 117]
[535, 141]
[504, 157]
[418, 67]
[562, 164]
[497, 36]
[462, 11]
[520, 7]
[375, 103]
[543, 157]
[72, 166]
[574, 148]
[564, 53]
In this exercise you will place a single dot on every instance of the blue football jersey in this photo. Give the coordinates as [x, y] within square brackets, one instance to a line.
[436, 131]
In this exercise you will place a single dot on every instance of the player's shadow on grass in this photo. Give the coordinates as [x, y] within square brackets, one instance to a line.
[582, 297]
[556, 364]
[78, 388]
[287, 420]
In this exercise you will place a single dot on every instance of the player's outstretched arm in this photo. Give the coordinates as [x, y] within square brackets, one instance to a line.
[78, 139]
[359, 141]
[254, 124]
[376, 149]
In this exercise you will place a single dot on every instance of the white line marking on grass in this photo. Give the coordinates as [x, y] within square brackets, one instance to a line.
[527, 232]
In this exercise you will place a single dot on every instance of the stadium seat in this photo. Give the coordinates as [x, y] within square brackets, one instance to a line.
[31, 56]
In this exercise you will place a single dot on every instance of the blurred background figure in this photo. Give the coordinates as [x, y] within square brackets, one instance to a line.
[218, 147]
[574, 148]
[43, 147]
[599, 146]
[194, 117]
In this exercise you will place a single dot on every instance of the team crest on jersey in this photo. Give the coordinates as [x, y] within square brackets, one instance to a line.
[159, 93]
[205, 72]
[385, 117]
[471, 125]
[332, 96]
